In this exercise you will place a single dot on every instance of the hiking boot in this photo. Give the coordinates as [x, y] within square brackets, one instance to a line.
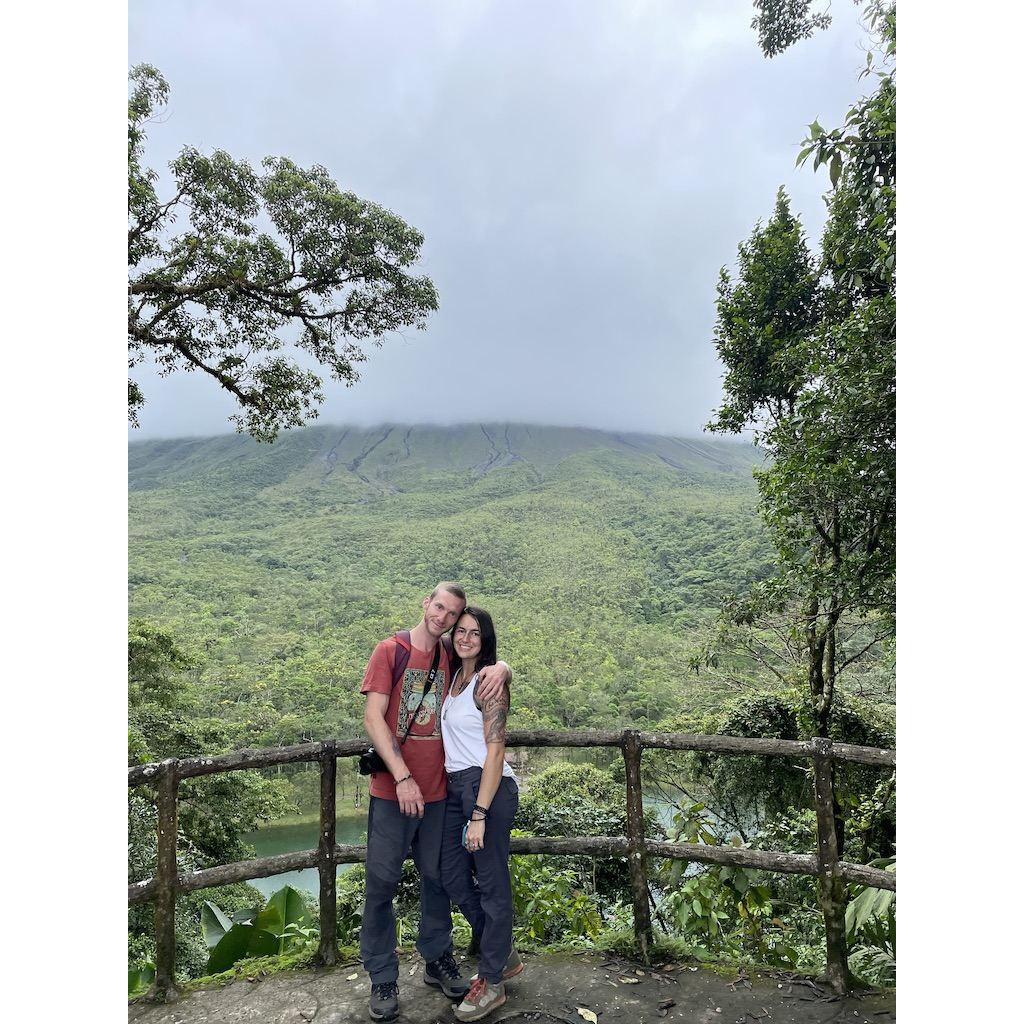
[384, 1001]
[443, 973]
[481, 999]
[513, 965]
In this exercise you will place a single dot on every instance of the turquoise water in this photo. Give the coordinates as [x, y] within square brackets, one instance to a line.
[292, 837]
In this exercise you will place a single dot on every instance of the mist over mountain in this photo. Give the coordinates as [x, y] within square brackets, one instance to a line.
[336, 459]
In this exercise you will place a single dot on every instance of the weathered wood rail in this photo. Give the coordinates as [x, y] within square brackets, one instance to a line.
[832, 873]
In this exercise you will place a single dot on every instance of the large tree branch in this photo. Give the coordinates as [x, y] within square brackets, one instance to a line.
[151, 289]
[143, 333]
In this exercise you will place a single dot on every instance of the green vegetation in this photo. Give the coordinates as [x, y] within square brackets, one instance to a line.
[281, 926]
[262, 577]
[600, 555]
[809, 346]
[214, 813]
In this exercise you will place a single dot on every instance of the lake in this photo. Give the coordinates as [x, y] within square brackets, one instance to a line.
[289, 837]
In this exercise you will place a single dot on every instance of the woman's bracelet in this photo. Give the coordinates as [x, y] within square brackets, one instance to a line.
[484, 818]
[405, 778]
[485, 811]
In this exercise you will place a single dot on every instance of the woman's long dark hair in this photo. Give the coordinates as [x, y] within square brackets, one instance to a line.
[488, 640]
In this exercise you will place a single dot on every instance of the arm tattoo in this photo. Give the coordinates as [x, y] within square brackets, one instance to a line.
[495, 713]
[395, 748]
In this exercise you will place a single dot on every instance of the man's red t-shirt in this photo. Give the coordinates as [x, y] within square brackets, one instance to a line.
[422, 751]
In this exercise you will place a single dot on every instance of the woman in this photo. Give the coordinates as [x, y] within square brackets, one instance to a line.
[482, 801]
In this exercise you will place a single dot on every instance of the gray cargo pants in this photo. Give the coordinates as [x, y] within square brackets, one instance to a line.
[390, 835]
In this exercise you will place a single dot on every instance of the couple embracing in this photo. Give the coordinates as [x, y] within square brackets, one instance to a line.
[436, 709]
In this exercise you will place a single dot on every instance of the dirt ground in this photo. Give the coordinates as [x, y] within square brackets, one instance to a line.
[553, 988]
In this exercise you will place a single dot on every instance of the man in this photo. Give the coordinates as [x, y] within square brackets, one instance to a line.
[407, 802]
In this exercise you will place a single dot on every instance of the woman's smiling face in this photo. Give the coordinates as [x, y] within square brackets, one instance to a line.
[466, 637]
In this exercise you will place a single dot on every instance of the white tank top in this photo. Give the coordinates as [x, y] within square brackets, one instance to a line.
[462, 730]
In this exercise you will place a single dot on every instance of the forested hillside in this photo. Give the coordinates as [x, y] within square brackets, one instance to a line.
[601, 556]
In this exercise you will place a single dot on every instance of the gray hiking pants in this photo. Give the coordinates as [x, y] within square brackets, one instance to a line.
[390, 836]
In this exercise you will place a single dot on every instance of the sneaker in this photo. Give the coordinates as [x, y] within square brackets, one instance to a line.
[384, 1001]
[443, 973]
[480, 1000]
[513, 965]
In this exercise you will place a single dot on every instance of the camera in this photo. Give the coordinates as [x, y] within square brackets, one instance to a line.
[370, 761]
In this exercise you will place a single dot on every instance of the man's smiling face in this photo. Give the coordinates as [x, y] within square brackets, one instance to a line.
[441, 611]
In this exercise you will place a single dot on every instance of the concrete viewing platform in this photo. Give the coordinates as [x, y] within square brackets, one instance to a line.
[563, 988]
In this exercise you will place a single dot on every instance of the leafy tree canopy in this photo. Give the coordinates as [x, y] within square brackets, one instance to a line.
[809, 348]
[233, 265]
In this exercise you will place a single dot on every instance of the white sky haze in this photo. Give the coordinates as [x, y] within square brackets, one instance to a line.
[580, 170]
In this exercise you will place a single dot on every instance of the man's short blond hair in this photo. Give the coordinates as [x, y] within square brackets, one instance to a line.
[452, 588]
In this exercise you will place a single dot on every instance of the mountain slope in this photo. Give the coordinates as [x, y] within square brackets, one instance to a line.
[599, 553]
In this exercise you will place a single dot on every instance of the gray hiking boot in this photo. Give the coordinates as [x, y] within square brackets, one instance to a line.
[384, 1001]
[481, 999]
[443, 973]
[513, 966]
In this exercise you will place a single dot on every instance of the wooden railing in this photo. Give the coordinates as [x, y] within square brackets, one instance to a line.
[832, 873]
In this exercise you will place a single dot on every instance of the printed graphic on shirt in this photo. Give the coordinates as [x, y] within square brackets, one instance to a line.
[427, 725]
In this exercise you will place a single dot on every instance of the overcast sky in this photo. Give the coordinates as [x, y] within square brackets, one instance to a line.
[580, 169]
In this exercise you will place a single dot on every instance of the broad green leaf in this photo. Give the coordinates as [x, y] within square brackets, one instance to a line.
[270, 918]
[239, 942]
[140, 978]
[835, 169]
[214, 923]
[285, 907]
[869, 904]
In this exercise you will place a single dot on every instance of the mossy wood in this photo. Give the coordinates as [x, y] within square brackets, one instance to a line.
[635, 837]
[831, 886]
[832, 873]
[327, 954]
[243, 760]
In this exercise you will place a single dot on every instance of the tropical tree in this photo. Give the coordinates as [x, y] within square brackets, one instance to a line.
[231, 266]
[809, 349]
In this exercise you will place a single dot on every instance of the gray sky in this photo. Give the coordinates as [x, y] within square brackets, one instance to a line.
[580, 169]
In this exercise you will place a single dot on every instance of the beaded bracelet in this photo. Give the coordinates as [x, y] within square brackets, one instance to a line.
[485, 811]
[405, 778]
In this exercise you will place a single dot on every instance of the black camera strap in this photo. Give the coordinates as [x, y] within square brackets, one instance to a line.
[426, 688]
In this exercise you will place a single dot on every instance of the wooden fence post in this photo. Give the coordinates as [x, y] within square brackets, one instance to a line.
[164, 988]
[831, 887]
[327, 954]
[635, 836]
